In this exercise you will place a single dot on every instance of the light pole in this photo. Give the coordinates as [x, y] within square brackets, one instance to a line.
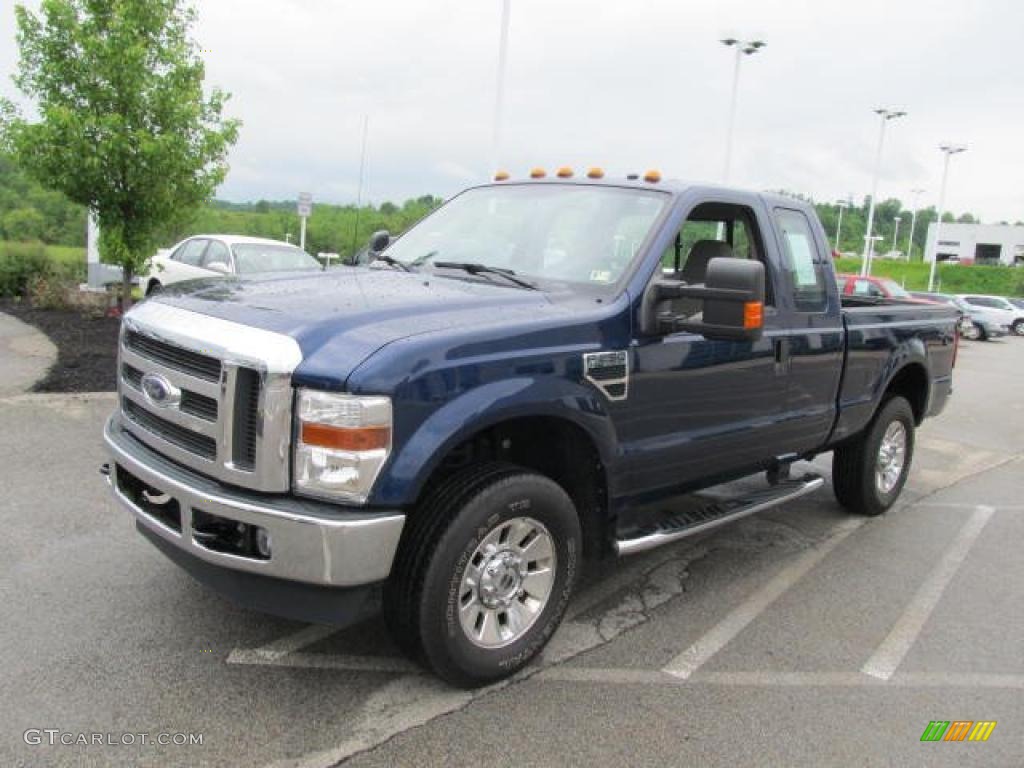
[499, 91]
[886, 115]
[895, 230]
[913, 220]
[948, 150]
[842, 205]
[743, 48]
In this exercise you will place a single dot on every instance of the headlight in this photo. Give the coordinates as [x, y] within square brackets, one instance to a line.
[342, 441]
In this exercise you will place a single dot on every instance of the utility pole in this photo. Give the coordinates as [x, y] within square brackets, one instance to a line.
[948, 150]
[499, 91]
[886, 115]
[913, 220]
[895, 230]
[842, 205]
[743, 48]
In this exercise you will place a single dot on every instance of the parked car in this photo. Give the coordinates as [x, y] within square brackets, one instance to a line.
[878, 287]
[219, 255]
[975, 323]
[998, 308]
[446, 435]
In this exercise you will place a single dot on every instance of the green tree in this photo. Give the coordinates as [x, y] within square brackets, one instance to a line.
[24, 224]
[125, 128]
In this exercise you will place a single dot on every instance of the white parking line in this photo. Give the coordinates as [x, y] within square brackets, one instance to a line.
[613, 676]
[278, 649]
[326, 661]
[690, 660]
[889, 655]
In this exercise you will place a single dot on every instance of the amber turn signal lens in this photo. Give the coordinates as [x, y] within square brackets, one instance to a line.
[652, 176]
[595, 173]
[344, 438]
[753, 315]
[565, 172]
[501, 176]
[538, 173]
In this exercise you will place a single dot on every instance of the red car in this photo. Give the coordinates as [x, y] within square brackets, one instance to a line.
[878, 287]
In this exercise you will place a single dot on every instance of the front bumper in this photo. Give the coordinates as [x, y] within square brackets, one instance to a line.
[309, 542]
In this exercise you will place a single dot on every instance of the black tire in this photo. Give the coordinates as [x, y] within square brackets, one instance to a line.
[154, 287]
[1018, 327]
[422, 594]
[974, 333]
[854, 462]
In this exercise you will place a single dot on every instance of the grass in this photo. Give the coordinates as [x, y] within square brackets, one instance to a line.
[949, 278]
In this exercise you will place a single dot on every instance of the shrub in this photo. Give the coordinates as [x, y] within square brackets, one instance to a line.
[22, 263]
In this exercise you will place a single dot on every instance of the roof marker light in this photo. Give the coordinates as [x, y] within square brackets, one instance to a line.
[501, 176]
[595, 173]
[565, 172]
[538, 173]
[652, 177]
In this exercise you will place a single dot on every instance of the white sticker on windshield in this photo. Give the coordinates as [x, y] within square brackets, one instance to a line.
[803, 259]
[600, 276]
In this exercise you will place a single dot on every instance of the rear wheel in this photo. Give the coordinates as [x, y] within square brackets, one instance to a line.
[484, 573]
[1018, 327]
[869, 472]
[972, 332]
[154, 287]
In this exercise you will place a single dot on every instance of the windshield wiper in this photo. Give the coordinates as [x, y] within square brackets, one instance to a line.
[474, 268]
[393, 262]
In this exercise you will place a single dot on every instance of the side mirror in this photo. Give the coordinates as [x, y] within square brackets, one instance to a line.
[732, 296]
[379, 241]
[219, 266]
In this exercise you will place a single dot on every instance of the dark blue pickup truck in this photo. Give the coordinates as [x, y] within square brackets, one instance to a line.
[522, 380]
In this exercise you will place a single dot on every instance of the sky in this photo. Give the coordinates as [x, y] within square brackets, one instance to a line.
[623, 85]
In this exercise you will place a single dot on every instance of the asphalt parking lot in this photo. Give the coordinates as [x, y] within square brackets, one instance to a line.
[804, 636]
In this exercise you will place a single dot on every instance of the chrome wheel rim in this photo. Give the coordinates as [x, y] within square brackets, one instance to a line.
[507, 582]
[892, 455]
[973, 332]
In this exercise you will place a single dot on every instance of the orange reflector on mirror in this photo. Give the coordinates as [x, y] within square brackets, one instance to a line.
[753, 314]
[345, 438]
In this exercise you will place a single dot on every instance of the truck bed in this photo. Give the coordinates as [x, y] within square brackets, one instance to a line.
[880, 334]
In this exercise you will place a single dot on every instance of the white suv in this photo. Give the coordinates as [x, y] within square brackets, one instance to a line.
[1000, 309]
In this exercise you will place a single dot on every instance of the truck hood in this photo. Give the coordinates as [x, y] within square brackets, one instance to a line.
[341, 317]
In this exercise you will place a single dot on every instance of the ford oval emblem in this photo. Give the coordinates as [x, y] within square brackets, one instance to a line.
[159, 391]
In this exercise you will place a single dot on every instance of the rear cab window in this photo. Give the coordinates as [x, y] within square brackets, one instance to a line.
[802, 261]
[191, 253]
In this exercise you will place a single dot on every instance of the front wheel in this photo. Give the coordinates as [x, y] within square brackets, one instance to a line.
[869, 472]
[484, 573]
[1018, 327]
[972, 332]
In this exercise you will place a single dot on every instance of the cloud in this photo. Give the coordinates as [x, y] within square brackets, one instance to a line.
[627, 86]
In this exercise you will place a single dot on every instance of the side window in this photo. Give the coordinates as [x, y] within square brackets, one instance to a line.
[191, 253]
[217, 252]
[803, 263]
[863, 288]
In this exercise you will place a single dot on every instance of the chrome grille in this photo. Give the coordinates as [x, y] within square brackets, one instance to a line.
[200, 445]
[229, 412]
[199, 365]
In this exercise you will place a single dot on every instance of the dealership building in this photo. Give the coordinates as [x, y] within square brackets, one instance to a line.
[977, 244]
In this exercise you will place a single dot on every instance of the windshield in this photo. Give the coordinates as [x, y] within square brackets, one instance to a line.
[563, 232]
[251, 258]
[894, 289]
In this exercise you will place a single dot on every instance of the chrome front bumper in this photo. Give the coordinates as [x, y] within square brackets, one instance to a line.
[310, 542]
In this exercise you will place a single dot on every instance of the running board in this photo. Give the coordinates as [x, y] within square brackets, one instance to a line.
[716, 513]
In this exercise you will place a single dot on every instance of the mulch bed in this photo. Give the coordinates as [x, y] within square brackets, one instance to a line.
[86, 347]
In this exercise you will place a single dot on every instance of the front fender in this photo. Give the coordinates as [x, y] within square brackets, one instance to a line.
[419, 455]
